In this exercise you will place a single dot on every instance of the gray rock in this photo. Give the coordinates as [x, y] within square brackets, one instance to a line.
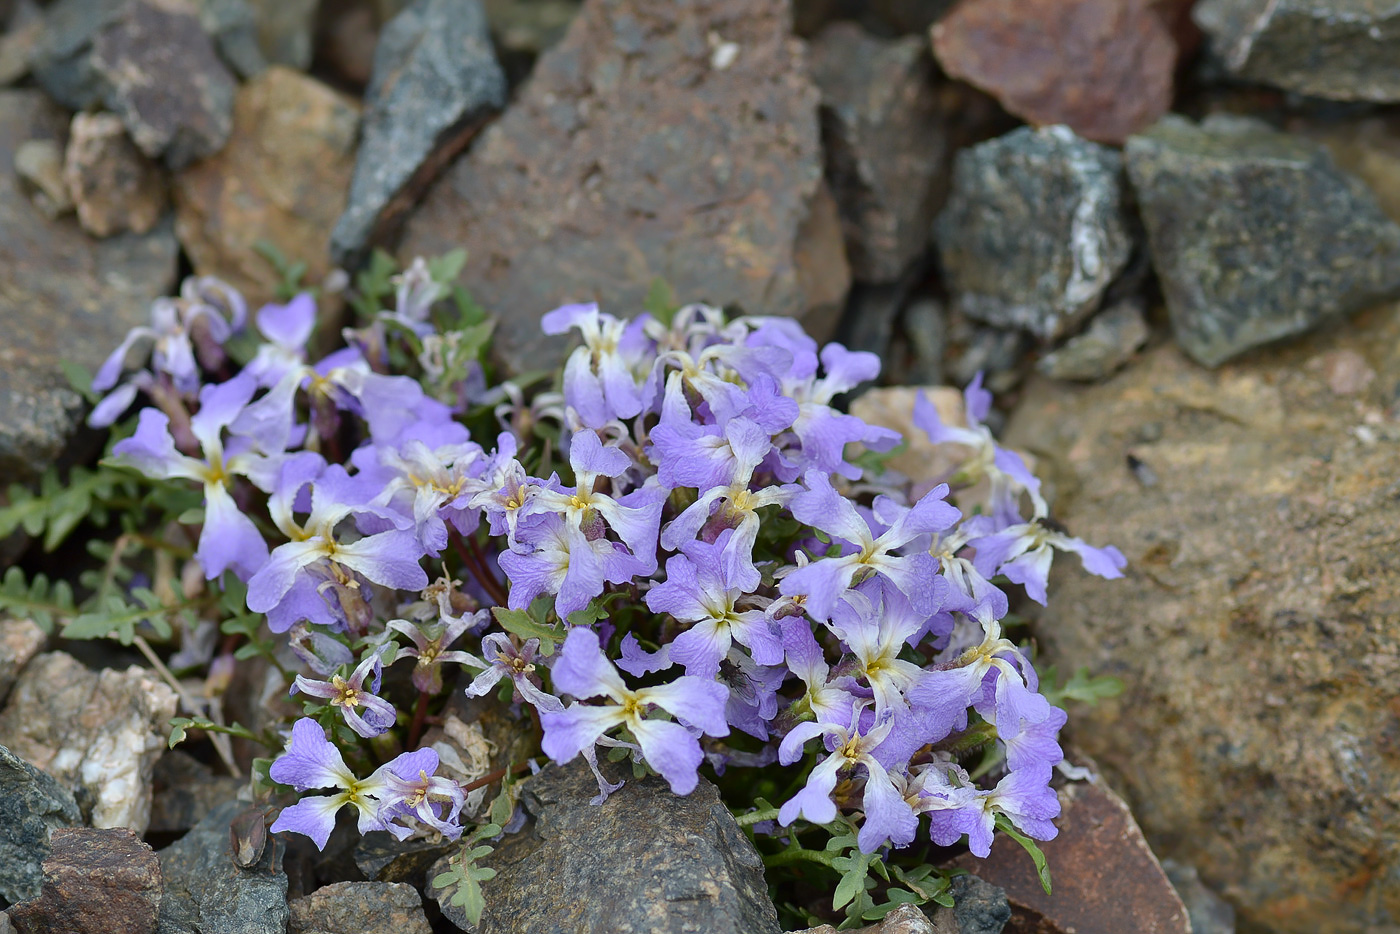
[32, 806]
[207, 893]
[20, 640]
[285, 30]
[978, 906]
[360, 908]
[1034, 230]
[39, 168]
[1109, 342]
[659, 863]
[95, 882]
[92, 293]
[1210, 914]
[98, 732]
[1341, 49]
[62, 61]
[20, 34]
[871, 313]
[382, 858]
[184, 791]
[657, 140]
[1256, 235]
[886, 144]
[924, 327]
[234, 28]
[160, 73]
[529, 26]
[435, 81]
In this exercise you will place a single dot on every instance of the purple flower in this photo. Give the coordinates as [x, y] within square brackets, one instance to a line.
[701, 588]
[312, 761]
[286, 328]
[432, 487]
[430, 646]
[350, 695]
[503, 659]
[826, 579]
[670, 748]
[601, 377]
[551, 556]
[433, 800]
[1024, 796]
[1023, 553]
[413, 299]
[874, 634]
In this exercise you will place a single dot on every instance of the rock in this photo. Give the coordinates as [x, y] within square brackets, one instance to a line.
[234, 29]
[206, 892]
[285, 29]
[384, 859]
[886, 145]
[978, 906]
[907, 919]
[657, 140]
[95, 882]
[667, 864]
[19, 38]
[893, 407]
[360, 908]
[39, 167]
[529, 26]
[113, 185]
[161, 75]
[1034, 230]
[435, 82]
[921, 339]
[1102, 67]
[348, 41]
[184, 791]
[1255, 235]
[1106, 878]
[62, 61]
[869, 320]
[33, 806]
[1256, 629]
[20, 640]
[99, 733]
[92, 293]
[1210, 914]
[282, 178]
[1104, 347]
[1342, 49]
[5, 926]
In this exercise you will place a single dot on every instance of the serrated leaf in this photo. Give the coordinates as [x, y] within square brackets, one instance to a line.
[522, 624]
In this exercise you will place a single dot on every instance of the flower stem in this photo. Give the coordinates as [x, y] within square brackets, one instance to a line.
[420, 713]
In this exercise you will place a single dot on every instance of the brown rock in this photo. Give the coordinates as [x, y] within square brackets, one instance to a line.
[1256, 629]
[164, 78]
[63, 296]
[1106, 879]
[360, 908]
[282, 178]
[39, 168]
[114, 186]
[20, 640]
[886, 144]
[95, 882]
[656, 140]
[1103, 67]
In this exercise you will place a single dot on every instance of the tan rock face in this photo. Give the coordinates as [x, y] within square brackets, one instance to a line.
[282, 177]
[657, 139]
[113, 185]
[1258, 629]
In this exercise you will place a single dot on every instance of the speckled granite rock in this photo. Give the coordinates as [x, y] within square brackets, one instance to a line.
[95, 882]
[360, 908]
[32, 806]
[207, 893]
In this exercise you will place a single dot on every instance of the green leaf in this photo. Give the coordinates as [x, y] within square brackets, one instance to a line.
[1037, 857]
[589, 614]
[446, 268]
[36, 599]
[661, 301]
[1081, 687]
[522, 624]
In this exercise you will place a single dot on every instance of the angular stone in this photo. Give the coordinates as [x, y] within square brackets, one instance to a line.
[1259, 589]
[233, 27]
[667, 864]
[92, 293]
[1104, 347]
[62, 61]
[1034, 230]
[20, 640]
[435, 82]
[886, 144]
[39, 167]
[529, 26]
[893, 407]
[206, 892]
[1256, 235]
[19, 38]
[1340, 49]
[33, 806]
[1210, 914]
[382, 858]
[98, 733]
[114, 186]
[1102, 67]
[360, 908]
[161, 75]
[657, 140]
[95, 882]
[284, 29]
[1106, 878]
[184, 791]
[281, 178]
[979, 907]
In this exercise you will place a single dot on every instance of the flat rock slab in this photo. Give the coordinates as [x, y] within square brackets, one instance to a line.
[1102, 67]
[95, 882]
[435, 81]
[1340, 49]
[33, 806]
[1256, 627]
[1256, 235]
[1106, 879]
[1034, 230]
[657, 140]
[360, 908]
[98, 733]
[206, 892]
[657, 863]
[281, 178]
[63, 296]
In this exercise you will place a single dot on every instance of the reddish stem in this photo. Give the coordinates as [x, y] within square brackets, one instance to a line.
[420, 714]
[495, 776]
[475, 563]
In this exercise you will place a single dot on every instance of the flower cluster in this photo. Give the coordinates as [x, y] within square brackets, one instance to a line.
[686, 514]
